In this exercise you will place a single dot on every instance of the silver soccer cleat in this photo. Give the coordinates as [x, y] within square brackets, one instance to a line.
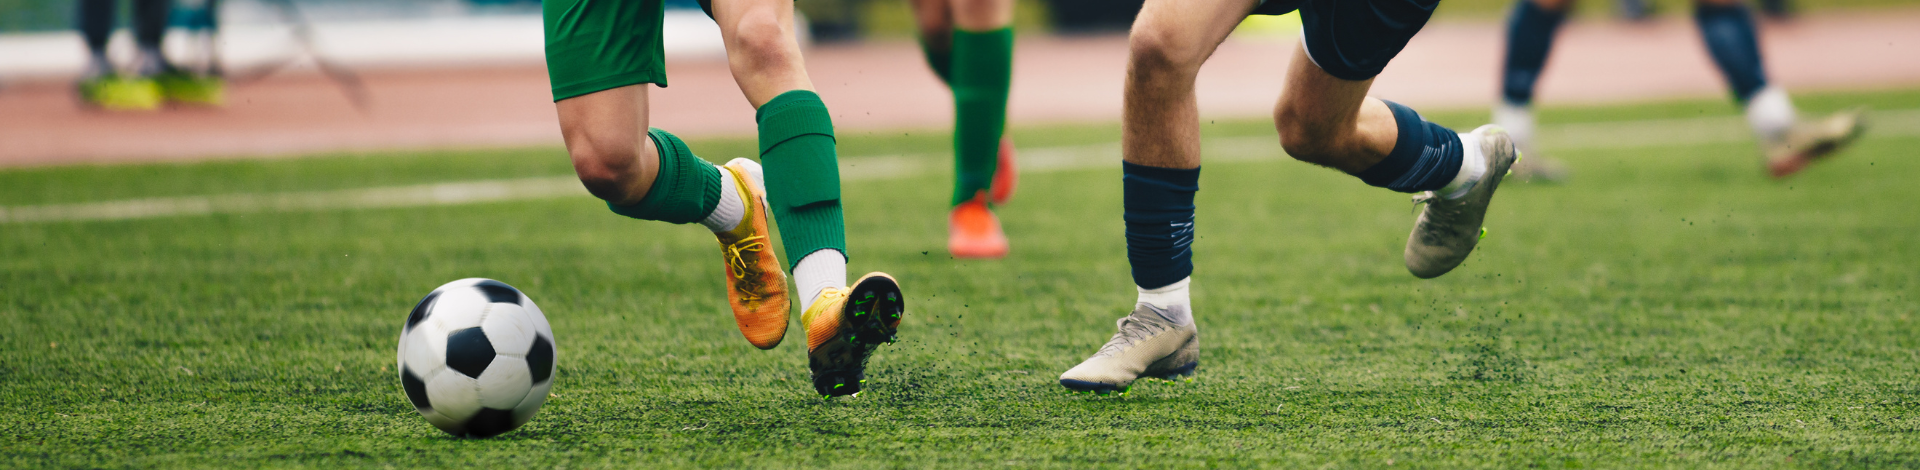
[1449, 228]
[1147, 346]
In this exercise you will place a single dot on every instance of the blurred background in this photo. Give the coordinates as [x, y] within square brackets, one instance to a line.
[306, 76]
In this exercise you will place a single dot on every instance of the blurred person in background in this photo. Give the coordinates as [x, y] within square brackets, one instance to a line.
[151, 79]
[969, 44]
[1727, 26]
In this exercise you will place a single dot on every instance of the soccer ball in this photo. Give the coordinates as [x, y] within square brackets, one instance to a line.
[476, 358]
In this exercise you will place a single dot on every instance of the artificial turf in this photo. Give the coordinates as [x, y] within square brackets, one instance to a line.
[1667, 307]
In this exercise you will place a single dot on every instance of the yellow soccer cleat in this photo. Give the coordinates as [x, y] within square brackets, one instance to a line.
[191, 89]
[845, 325]
[756, 285]
[117, 93]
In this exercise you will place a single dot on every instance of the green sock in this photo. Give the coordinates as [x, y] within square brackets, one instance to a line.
[803, 174]
[982, 73]
[686, 189]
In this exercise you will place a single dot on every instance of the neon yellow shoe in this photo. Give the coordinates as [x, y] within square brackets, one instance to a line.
[185, 88]
[844, 326]
[116, 93]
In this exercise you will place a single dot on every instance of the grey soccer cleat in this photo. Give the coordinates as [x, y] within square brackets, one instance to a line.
[1148, 345]
[1449, 227]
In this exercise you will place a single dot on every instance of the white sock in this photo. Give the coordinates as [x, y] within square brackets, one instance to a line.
[731, 210]
[817, 272]
[1473, 166]
[1173, 301]
[1517, 120]
[1771, 114]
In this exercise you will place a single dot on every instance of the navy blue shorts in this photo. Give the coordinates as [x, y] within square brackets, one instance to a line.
[1354, 39]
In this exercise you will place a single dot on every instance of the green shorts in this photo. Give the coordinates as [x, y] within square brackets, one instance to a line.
[595, 45]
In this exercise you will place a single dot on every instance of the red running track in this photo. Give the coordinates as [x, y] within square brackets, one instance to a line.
[882, 86]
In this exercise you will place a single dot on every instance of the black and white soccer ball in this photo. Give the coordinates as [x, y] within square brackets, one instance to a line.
[476, 358]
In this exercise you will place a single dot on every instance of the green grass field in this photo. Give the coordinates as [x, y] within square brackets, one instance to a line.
[1668, 307]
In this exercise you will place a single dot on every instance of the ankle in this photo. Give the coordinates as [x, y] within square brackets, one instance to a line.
[731, 211]
[1473, 168]
[816, 272]
[1172, 301]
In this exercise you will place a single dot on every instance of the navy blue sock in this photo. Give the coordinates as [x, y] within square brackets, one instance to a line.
[1159, 217]
[1729, 33]
[1425, 157]
[1530, 34]
[94, 19]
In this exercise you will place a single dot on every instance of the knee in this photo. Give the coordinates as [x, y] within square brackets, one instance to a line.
[1302, 138]
[761, 41]
[607, 170]
[1159, 56]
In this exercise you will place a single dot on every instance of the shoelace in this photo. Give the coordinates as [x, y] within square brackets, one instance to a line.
[749, 279]
[1442, 210]
[1128, 336]
[1423, 198]
[827, 295]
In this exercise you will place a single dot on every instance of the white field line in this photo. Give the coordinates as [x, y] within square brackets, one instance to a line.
[1612, 135]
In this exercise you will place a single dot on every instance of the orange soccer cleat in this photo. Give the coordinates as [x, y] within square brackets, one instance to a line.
[845, 325]
[756, 285]
[1005, 174]
[974, 232]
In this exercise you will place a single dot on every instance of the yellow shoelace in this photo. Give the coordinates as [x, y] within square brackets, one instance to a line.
[830, 293]
[743, 271]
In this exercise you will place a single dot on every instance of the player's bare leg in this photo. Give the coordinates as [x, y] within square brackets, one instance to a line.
[1323, 117]
[1160, 144]
[969, 45]
[620, 160]
[803, 190]
[1330, 121]
[606, 137]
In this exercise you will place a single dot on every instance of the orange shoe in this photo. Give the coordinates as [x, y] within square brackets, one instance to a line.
[756, 284]
[974, 232]
[845, 325]
[1006, 175]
